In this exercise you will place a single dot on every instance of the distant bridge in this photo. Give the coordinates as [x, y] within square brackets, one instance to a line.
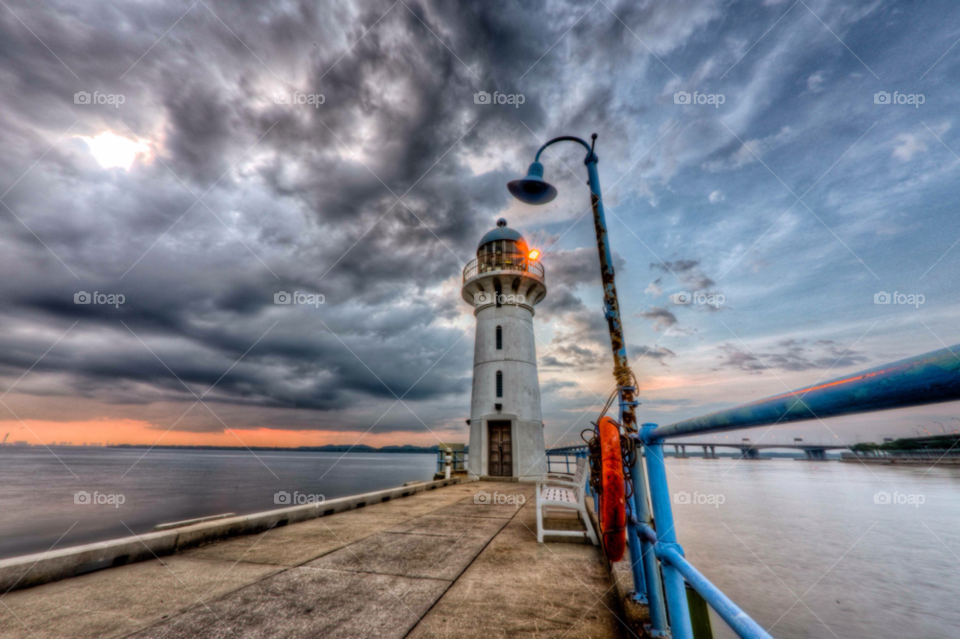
[747, 450]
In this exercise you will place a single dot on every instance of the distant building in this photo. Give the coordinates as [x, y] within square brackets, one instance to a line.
[503, 284]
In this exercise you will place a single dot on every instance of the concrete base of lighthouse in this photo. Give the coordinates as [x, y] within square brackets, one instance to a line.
[528, 451]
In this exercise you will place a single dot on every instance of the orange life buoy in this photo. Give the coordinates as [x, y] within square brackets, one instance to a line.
[613, 510]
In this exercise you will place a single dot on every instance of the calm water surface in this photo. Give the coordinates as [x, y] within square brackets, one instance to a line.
[37, 491]
[803, 547]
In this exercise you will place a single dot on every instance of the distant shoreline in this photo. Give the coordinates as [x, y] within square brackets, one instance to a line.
[328, 448]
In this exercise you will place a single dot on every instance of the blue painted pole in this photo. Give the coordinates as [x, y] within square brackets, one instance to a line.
[647, 558]
[736, 618]
[673, 586]
[639, 490]
[611, 305]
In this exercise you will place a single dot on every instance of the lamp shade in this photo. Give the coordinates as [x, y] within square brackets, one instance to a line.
[533, 189]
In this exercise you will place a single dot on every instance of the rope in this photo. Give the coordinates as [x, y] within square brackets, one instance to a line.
[624, 376]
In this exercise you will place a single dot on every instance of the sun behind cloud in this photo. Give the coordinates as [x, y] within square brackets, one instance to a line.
[114, 151]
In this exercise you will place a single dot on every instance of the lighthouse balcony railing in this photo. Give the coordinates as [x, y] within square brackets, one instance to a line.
[492, 262]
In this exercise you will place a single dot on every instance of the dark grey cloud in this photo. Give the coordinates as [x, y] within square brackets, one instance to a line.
[555, 385]
[662, 318]
[656, 353]
[577, 267]
[686, 271]
[791, 355]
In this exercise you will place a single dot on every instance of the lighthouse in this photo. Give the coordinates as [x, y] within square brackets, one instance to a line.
[504, 284]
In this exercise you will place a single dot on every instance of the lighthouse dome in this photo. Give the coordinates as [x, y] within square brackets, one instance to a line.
[502, 239]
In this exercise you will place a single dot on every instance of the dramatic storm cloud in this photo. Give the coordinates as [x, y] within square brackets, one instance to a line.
[206, 162]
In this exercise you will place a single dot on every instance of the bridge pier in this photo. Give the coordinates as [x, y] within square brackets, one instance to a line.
[815, 454]
[709, 452]
[749, 453]
[680, 451]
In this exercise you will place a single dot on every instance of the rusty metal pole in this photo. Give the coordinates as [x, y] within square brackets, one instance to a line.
[611, 306]
[652, 588]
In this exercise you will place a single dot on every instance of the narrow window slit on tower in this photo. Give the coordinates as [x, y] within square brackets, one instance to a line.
[499, 383]
[499, 338]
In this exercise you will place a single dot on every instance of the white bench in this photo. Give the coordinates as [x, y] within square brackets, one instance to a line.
[564, 492]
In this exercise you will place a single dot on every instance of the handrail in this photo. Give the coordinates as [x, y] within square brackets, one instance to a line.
[926, 379]
[491, 262]
[737, 619]
[930, 378]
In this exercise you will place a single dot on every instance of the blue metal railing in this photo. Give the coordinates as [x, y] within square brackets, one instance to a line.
[458, 463]
[660, 570]
[926, 379]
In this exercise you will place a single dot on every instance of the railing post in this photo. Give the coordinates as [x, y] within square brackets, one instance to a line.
[651, 575]
[673, 584]
[590, 493]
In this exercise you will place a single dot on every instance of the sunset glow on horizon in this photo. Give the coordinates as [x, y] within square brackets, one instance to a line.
[141, 433]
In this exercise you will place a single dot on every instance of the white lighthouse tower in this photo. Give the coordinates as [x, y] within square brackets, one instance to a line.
[504, 283]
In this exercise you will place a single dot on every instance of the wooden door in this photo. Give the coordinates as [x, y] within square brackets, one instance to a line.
[501, 450]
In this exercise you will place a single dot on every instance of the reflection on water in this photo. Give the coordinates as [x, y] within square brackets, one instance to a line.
[37, 491]
[817, 549]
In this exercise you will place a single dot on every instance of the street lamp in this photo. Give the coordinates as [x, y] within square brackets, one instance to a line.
[533, 189]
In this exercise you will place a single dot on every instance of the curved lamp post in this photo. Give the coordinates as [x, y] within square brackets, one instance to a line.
[533, 189]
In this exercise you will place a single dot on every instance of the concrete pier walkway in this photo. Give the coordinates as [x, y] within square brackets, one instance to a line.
[435, 564]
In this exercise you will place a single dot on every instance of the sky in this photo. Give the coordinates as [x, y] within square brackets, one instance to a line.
[177, 165]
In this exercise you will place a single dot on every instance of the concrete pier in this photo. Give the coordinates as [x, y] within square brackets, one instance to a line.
[433, 564]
